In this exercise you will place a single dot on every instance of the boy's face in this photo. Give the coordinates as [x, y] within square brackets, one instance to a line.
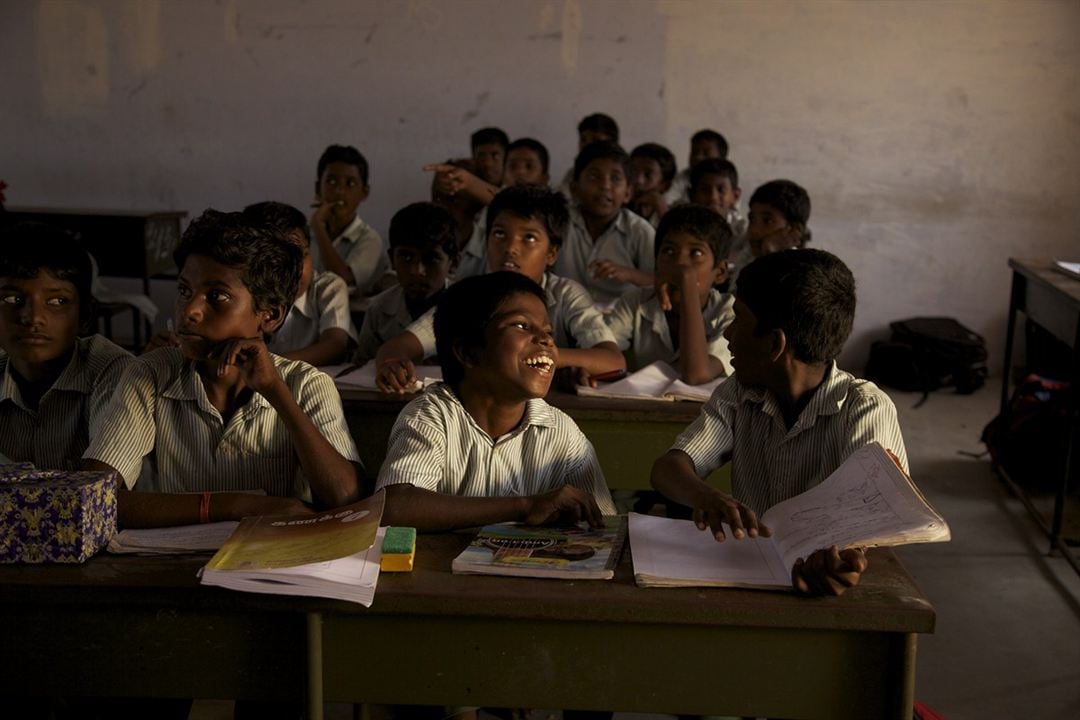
[750, 353]
[213, 305]
[703, 150]
[682, 252]
[588, 137]
[340, 183]
[602, 189]
[519, 356]
[520, 245]
[489, 159]
[647, 176]
[768, 231]
[306, 269]
[523, 167]
[422, 271]
[715, 191]
[39, 320]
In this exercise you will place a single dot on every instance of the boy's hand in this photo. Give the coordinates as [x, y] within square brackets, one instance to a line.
[566, 505]
[449, 179]
[607, 270]
[829, 572]
[687, 284]
[321, 216]
[252, 360]
[396, 376]
[165, 338]
[718, 507]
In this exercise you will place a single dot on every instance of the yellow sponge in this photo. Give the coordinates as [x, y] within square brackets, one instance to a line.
[398, 549]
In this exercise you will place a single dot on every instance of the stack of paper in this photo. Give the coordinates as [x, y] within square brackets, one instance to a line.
[350, 377]
[172, 540]
[658, 381]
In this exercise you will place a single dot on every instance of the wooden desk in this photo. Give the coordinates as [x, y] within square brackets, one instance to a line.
[143, 627]
[1050, 299]
[628, 434]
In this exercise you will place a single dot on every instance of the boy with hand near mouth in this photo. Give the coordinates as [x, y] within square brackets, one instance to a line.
[681, 320]
[525, 228]
[219, 414]
[483, 446]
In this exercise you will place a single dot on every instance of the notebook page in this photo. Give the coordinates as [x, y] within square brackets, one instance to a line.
[648, 383]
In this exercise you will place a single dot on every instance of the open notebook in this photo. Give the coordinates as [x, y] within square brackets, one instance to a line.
[658, 381]
[363, 378]
[868, 501]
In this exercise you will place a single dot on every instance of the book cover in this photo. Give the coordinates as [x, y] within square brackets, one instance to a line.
[574, 552]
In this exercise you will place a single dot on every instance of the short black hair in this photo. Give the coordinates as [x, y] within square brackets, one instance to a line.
[701, 222]
[343, 154]
[790, 199]
[532, 202]
[531, 144]
[269, 264]
[662, 156]
[284, 217]
[422, 225]
[602, 150]
[489, 136]
[28, 248]
[601, 124]
[711, 136]
[465, 310]
[809, 294]
[714, 166]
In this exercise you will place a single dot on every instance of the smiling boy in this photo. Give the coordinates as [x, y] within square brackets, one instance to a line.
[220, 414]
[53, 384]
[483, 447]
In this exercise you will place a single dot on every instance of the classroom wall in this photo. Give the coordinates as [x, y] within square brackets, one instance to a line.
[935, 139]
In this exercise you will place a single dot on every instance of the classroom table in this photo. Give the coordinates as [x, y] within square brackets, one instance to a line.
[1050, 299]
[628, 435]
[144, 627]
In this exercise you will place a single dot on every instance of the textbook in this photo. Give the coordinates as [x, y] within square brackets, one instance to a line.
[658, 381]
[351, 377]
[866, 502]
[575, 552]
[331, 554]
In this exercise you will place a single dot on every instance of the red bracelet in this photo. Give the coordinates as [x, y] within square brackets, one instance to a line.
[204, 508]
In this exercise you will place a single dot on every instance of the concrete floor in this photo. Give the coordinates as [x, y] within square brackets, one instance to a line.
[1007, 643]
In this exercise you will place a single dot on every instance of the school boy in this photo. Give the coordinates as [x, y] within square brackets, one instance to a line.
[714, 183]
[597, 127]
[345, 244]
[483, 446]
[53, 384]
[423, 250]
[489, 154]
[779, 211]
[652, 168]
[318, 328]
[220, 414]
[681, 320]
[704, 144]
[608, 248]
[525, 232]
[527, 163]
[789, 417]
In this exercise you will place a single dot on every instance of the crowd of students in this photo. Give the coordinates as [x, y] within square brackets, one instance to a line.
[505, 282]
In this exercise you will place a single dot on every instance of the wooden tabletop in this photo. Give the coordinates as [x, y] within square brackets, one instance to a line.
[1043, 271]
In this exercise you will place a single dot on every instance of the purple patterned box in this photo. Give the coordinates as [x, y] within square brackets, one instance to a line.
[54, 516]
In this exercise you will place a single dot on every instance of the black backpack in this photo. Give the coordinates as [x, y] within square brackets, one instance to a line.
[928, 353]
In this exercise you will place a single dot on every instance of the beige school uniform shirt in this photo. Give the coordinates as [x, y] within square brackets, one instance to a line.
[362, 249]
[771, 462]
[387, 317]
[325, 305]
[628, 241]
[473, 257]
[160, 413]
[436, 445]
[55, 434]
[641, 328]
[575, 321]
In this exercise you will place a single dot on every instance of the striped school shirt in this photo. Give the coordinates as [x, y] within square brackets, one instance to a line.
[771, 462]
[436, 445]
[160, 414]
[55, 434]
[575, 321]
[325, 306]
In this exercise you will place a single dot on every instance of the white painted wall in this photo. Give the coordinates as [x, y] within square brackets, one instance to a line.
[936, 139]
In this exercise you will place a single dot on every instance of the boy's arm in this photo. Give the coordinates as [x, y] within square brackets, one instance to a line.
[696, 365]
[609, 270]
[329, 256]
[395, 363]
[597, 360]
[829, 571]
[450, 180]
[328, 349]
[597, 353]
[674, 476]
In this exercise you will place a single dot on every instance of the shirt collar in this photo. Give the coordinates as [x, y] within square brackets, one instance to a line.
[621, 223]
[537, 413]
[187, 386]
[303, 304]
[828, 399]
[352, 231]
[72, 378]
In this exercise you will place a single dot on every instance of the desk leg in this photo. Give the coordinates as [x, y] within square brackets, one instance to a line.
[1015, 296]
[907, 678]
[1072, 462]
[315, 666]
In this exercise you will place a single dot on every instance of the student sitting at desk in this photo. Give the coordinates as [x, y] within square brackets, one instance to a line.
[423, 250]
[652, 168]
[704, 145]
[681, 319]
[318, 328]
[789, 417]
[525, 228]
[53, 384]
[779, 211]
[483, 446]
[220, 414]
[597, 127]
